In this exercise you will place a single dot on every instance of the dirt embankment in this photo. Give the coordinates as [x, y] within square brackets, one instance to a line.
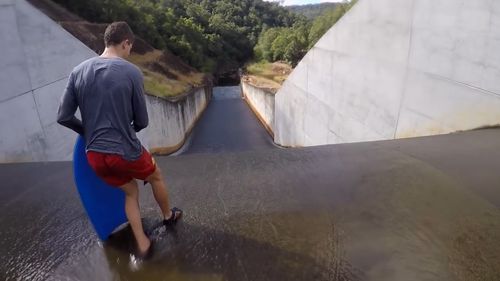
[267, 76]
[165, 75]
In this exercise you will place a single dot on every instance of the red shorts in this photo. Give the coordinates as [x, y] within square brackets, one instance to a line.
[116, 171]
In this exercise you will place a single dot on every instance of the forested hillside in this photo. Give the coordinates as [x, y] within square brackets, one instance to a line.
[290, 44]
[211, 35]
[312, 11]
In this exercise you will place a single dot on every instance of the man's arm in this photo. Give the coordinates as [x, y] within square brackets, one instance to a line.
[67, 108]
[141, 119]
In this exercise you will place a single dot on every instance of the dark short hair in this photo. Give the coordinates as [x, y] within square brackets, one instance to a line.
[118, 32]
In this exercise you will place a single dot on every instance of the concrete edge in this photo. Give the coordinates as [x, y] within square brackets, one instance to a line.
[267, 90]
[184, 95]
[257, 114]
[165, 151]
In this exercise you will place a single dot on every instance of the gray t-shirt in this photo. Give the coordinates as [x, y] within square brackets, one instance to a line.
[110, 95]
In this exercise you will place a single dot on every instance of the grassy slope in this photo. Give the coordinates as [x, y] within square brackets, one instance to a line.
[267, 75]
[160, 79]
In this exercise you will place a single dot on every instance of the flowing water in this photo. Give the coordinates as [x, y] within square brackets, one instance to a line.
[421, 209]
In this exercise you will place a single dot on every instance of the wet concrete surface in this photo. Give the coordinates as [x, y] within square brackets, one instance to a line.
[417, 209]
[227, 125]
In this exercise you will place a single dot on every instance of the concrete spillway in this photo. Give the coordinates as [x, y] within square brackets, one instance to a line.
[419, 209]
[395, 69]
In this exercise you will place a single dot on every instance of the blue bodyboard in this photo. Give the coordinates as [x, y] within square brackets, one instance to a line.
[104, 204]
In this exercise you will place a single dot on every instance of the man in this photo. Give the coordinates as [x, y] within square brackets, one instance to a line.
[110, 94]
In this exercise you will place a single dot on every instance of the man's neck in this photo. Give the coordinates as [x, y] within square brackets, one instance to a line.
[110, 52]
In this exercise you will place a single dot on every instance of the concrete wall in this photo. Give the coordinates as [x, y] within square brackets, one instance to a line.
[36, 58]
[262, 104]
[172, 120]
[393, 69]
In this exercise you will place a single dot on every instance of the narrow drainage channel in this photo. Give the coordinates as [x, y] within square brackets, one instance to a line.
[227, 125]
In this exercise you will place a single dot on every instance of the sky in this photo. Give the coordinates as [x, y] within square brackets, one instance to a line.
[303, 2]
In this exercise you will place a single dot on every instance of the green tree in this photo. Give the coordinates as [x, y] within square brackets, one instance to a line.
[324, 22]
[263, 48]
[212, 35]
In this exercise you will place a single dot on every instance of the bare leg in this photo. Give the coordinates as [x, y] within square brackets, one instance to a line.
[160, 192]
[134, 215]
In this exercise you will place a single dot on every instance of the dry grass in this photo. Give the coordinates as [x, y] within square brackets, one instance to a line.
[262, 83]
[144, 59]
[268, 75]
[276, 71]
[160, 79]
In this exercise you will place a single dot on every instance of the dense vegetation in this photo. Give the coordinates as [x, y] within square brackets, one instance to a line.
[211, 35]
[217, 35]
[312, 11]
[290, 44]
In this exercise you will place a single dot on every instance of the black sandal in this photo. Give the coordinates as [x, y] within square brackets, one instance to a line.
[176, 215]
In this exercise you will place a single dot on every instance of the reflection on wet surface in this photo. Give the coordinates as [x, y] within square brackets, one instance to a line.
[373, 211]
[193, 252]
